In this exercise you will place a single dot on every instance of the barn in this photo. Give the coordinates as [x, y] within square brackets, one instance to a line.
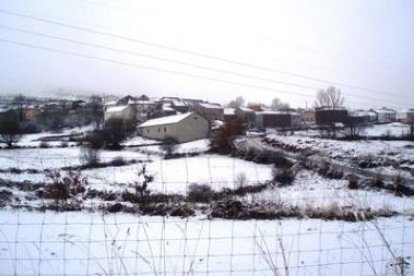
[181, 128]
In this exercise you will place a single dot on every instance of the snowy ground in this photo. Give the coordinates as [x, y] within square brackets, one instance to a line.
[55, 158]
[175, 175]
[392, 129]
[35, 243]
[34, 140]
[80, 243]
[393, 152]
[311, 190]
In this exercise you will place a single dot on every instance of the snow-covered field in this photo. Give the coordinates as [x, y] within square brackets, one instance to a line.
[175, 175]
[55, 158]
[311, 190]
[392, 129]
[91, 243]
[394, 153]
[80, 243]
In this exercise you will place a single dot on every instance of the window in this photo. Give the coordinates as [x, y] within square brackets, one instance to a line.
[165, 129]
[148, 130]
[195, 118]
[159, 130]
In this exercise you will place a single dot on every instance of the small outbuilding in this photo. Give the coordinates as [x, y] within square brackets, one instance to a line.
[277, 119]
[181, 128]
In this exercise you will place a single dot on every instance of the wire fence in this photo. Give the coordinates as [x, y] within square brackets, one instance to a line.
[315, 226]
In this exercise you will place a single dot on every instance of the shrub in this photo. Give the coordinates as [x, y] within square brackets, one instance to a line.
[334, 173]
[284, 176]
[141, 185]
[223, 141]
[118, 161]
[377, 181]
[15, 170]
[44, 145]
[64, 144]
[89, 155]
[398, 185]
[169, 146]
[64, 187]
[200, 193]
[353, 182]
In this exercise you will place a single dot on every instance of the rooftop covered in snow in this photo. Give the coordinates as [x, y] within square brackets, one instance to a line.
[166, 120]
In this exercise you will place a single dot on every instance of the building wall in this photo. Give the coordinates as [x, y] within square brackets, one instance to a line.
[386, 117]
[276, 120]
[191, 128]
[160, 132]
[125, 114]
[331, 116]
[211, 113]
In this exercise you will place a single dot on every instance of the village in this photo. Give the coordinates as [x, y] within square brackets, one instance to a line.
[190, 159]
[145, 114]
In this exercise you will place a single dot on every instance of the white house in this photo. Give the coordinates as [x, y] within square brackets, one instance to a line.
[406, 115]
[182, 128]
[386, 115]
[118, 112]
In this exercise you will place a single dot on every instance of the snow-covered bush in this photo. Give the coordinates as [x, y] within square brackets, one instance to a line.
[200, 192]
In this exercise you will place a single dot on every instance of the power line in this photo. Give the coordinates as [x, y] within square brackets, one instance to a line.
[152, 57]
[153, 68]
[189, 52]
[158, 58]
[163, 59]
[148, 67]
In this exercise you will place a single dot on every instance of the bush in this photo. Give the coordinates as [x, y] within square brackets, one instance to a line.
[44, 145]
[223, 141]
[398, 185]
[284, 176]
[200, 193]
[89, 155]
[118, 161]
[169, 145]
[64, 187]
[377, 181]
[353, 182]
[335, 173]
[64, 144]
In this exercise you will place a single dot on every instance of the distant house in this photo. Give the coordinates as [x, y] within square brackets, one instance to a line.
[32, 113]
[277, 119]
[406, 116]
[118, 112]
[257, 107]
[133, 108]
[210, 111]
[229, 114]
[182, 128]
[307, 116]
[247, 115]
[386, 115]
[180, 106]
[362, 116]
[328, 116]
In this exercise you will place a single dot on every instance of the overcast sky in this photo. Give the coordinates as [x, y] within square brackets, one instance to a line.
[366, 44]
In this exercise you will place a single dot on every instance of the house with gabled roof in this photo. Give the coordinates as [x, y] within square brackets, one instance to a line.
[181, 128]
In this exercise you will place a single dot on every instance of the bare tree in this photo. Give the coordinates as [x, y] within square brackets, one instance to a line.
[10, 131]
[277, 104]
[239, 101]
[331, 97]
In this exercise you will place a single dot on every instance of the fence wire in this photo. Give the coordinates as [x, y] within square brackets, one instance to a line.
[313, 234]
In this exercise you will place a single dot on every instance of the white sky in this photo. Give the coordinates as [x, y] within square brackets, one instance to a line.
[366, 43]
